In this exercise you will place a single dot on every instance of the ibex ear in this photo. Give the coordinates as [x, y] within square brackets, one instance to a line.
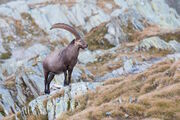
[73, 41]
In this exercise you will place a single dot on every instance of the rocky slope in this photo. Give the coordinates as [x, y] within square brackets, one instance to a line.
[130, 70]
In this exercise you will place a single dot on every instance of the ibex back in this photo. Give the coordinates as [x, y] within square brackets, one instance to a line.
[62, 61]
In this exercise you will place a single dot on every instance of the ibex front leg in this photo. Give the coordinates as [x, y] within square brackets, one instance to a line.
[65, 78]
[69, 75]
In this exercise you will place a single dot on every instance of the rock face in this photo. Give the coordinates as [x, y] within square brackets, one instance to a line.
[109, 27]
[58, 101]
[174, 4]
[159, 44]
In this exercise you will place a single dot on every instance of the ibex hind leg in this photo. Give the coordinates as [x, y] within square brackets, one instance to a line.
[50, 77]
[45, 81]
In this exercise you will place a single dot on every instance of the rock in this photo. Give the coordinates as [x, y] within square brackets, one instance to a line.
[175, 45]
[122, 4]
[120, 100]
[154, 42]
[22, 6]
[36, 49]
[136, 68]
[60, 100]
[24, 42]
[9, 12]
[126, 115]
[118, 27]
[158, 12]
[20, 95]
[76, 75]
[108, 5]
[30, 85]
[128, 66]
[130, 99]
[86, 54]
[174, 4]
[7, 101]
[108, 113]
[58, 79]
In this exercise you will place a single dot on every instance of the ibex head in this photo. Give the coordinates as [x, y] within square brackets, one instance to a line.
[78, 41]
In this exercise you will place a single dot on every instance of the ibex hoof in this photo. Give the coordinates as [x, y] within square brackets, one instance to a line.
[47, 91]
[65, 84]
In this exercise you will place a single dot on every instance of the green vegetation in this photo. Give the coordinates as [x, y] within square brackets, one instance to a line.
[171, 36]
[95, 38]
[32, 27]
[6, 55]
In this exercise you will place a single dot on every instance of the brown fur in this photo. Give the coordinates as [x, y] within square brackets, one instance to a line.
[62, 61]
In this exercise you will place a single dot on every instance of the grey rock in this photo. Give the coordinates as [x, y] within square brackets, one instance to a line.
[9, 12]
[118, 26]
[131, 69]
[7, 101]
[126, 115]
[128, 66]
[159, 44]
[158, 12]
[87, 57]
[153, 42]
[174, 4]
[56, 105]
[175, 45]
[108, 5]
[29, 85]
[76, 74]
[22, 6]
[108, 113]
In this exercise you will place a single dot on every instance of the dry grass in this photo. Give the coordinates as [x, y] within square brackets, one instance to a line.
[102, 66]
[154, 30]
[40, 117]
[10, 117]
[10, 81]
[109, 61]
[155, 94]
[68, 3]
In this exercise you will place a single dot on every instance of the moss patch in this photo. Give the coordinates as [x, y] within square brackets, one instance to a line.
[129, 29]
[32, 27]
[95, 38]
[2, 110]
[171, 36]
[6, 55]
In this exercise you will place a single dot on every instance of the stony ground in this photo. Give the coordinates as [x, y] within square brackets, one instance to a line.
[131, 69]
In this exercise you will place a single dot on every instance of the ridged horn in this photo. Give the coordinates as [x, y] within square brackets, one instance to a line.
[66, 27]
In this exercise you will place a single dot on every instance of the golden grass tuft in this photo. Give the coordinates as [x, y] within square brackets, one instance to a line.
[38, 117]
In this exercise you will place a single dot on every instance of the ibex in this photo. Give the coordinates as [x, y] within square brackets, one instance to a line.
[62, 61]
